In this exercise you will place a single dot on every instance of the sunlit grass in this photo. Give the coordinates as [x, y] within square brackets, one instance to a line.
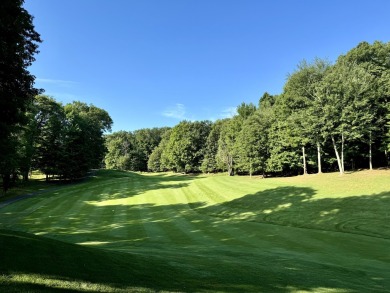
[27, 282]
[315, 233]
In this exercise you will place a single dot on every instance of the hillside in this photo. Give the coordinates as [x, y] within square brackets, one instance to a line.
[131, 231]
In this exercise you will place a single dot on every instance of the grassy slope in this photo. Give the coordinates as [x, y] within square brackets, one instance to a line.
[32, 263]
[202, 233]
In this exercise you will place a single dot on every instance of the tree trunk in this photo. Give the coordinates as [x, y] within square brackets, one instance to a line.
[6, 182]
[337, 156]
[14, 177]
[230, 165]
[342, 152]
[304, 161]
[319, 157]
[25, 176]
[370, 152]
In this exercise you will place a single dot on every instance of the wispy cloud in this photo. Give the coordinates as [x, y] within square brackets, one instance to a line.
[63, 97]
[59, 82]
[178, 112]
[228, 112]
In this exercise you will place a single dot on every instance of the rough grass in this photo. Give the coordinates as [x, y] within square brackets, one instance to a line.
[151, 232]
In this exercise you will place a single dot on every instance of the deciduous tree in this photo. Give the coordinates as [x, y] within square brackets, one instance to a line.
[19, 43]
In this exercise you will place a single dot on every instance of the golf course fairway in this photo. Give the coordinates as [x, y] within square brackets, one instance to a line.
[165, 232]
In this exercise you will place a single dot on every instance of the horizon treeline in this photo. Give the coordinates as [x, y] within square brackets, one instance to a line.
[62, 141]
[329, 117]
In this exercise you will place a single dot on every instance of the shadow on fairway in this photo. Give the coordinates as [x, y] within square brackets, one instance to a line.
[203, 265]
[297, 207]
[129, 184]
[163, 228]
[64, 265]
[122, 184]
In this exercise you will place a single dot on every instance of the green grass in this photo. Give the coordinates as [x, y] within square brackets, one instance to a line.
[35, 184]
[129, 232]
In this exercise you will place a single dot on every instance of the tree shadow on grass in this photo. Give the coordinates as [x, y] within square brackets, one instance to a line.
[68, 264]
[207, 259]
[186, 247]
[297, 207]
[128, 184]
[103, 178]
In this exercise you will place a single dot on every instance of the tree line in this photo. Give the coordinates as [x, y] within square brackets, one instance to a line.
[329, 117]
[37, 132]
[61, 141]
[19, 43]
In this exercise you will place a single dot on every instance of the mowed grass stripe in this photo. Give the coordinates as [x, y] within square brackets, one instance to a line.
[215, 229]
[170, 217]
[108, 223]
[80, 220]
[107, 213]
[101, 219]
[173, 217]
[235, 187]
[207, 225]
[171, 221]
[301, 207]
[150, 218]
[177, 209]
[34, 210]
[69, 220]
[224, 229]
[188, 222]
[72, 208]
[26, 208]
[204, 192]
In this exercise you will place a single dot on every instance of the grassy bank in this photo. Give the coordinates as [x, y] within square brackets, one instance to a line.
[214, 233]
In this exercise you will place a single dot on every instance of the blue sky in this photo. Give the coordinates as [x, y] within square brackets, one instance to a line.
[153, 63]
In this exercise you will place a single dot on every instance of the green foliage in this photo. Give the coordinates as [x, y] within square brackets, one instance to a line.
[147, 140]
[245, 110]
[49, 136]
[266, 101]
[156, 162]
[388, 132]
[132, 150]
[298, 117]
[184, 150]
[209, 162]
[227, 152]
[83, 145]
[283, 140]
[328, 117]
[252, 144]
[342, 106]
[120, 146]
[63, 141]
[354, 94]
[19, 43]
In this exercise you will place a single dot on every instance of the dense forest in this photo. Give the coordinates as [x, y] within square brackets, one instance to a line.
[37, 132]
[61, 141]
[329, 117]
